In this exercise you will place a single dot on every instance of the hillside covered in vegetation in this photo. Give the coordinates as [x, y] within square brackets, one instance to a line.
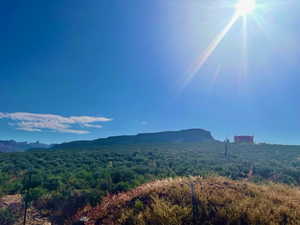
[63, 180]
[181, 136]
[196, 200]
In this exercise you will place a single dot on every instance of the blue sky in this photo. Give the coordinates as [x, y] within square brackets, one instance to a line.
[77, 69]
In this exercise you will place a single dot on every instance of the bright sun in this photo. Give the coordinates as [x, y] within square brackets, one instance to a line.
[244, 7]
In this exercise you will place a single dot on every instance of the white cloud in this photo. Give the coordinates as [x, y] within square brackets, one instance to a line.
[39, 122]
[29, 129]
[92, 125]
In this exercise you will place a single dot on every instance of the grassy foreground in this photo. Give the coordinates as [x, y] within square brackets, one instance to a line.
[216, 201]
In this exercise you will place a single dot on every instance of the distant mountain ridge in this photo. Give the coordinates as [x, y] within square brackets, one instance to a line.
[14, 146]
[181, 136]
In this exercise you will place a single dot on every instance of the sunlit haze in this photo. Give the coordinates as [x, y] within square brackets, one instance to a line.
[245, 7]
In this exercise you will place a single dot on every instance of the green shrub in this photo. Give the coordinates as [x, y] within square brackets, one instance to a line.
[7, 217]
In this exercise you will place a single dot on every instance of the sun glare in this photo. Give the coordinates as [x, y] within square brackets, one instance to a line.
[244, 7]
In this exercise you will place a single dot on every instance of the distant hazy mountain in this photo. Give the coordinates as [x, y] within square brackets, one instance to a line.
[190, 135]
[13, 146]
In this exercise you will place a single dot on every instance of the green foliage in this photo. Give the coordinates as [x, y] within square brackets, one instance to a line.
[34, 194]
[60, 176]
[121, 186]
[138, 205]
[52, 183]
[7, 217]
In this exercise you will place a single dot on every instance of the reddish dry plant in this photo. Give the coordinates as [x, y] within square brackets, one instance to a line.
[220, 201]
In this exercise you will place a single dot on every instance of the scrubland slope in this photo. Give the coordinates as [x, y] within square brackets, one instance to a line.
[216, 201]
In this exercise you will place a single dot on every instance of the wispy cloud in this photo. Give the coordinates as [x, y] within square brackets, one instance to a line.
[40, 122]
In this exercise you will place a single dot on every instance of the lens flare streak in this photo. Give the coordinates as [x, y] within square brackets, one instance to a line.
[245, 47]
[210, 49]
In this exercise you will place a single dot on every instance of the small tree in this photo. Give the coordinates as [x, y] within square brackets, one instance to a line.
[30, 191]
[26, 188]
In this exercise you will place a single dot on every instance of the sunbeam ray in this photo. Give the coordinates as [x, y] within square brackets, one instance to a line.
[244, 47]
[210, 49]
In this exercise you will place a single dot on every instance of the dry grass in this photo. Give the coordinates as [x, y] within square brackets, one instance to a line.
[219, 201]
